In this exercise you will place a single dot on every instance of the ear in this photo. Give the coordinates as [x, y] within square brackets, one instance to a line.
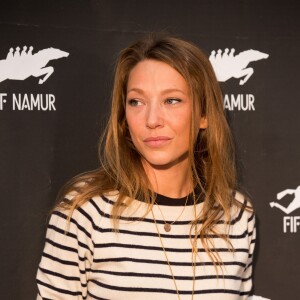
[203, 123]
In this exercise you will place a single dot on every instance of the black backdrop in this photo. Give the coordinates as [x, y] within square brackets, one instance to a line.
[41, 149]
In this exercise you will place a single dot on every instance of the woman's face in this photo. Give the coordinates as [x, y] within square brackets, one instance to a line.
[158, 113]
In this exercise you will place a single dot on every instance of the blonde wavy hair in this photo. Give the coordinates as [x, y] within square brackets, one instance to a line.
[211, 151]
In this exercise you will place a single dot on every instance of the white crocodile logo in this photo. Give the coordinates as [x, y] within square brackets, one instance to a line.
[295, 203]
[20, 66]
[227, 65]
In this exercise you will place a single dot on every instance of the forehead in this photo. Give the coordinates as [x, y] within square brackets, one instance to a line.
[155, 73]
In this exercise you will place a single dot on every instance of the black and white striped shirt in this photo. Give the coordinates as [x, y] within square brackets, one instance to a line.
[91, 261]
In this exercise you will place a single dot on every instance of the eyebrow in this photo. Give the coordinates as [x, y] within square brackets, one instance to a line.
[166, 91]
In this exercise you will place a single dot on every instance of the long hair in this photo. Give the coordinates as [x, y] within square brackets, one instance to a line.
[211, 151]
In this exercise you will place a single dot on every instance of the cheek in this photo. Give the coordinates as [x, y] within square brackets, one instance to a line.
[182, 125]
[184, 136]
[129, 120]
[134, 129]
[132, 116]
[134, 121]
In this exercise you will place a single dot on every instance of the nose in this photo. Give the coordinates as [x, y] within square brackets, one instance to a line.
[154, 116]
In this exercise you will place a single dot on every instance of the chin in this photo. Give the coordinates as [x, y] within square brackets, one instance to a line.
[163, 163]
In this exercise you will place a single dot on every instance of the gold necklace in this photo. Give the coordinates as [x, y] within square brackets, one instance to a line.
[167, 226]
[194, 253]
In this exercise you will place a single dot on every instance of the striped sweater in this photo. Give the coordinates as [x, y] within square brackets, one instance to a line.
[88, 260]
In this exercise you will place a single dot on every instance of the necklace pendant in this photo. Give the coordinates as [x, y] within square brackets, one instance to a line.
[167, 227]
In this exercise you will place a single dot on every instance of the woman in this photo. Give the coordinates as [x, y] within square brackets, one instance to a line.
[160, 218]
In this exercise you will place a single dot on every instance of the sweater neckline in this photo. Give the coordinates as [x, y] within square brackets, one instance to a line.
[168, 201]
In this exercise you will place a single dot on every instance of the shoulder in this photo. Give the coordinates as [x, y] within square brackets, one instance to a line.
[242, 201]
[99, 203]
[95, 201]
[88, 214]
[242, 209]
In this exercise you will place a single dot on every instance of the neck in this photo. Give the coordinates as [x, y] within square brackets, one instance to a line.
[171, 181]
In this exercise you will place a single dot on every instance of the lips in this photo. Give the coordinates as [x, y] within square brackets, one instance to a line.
[157, 141]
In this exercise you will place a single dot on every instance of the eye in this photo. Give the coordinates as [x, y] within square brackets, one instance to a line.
[134, 102]
[172, 101]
